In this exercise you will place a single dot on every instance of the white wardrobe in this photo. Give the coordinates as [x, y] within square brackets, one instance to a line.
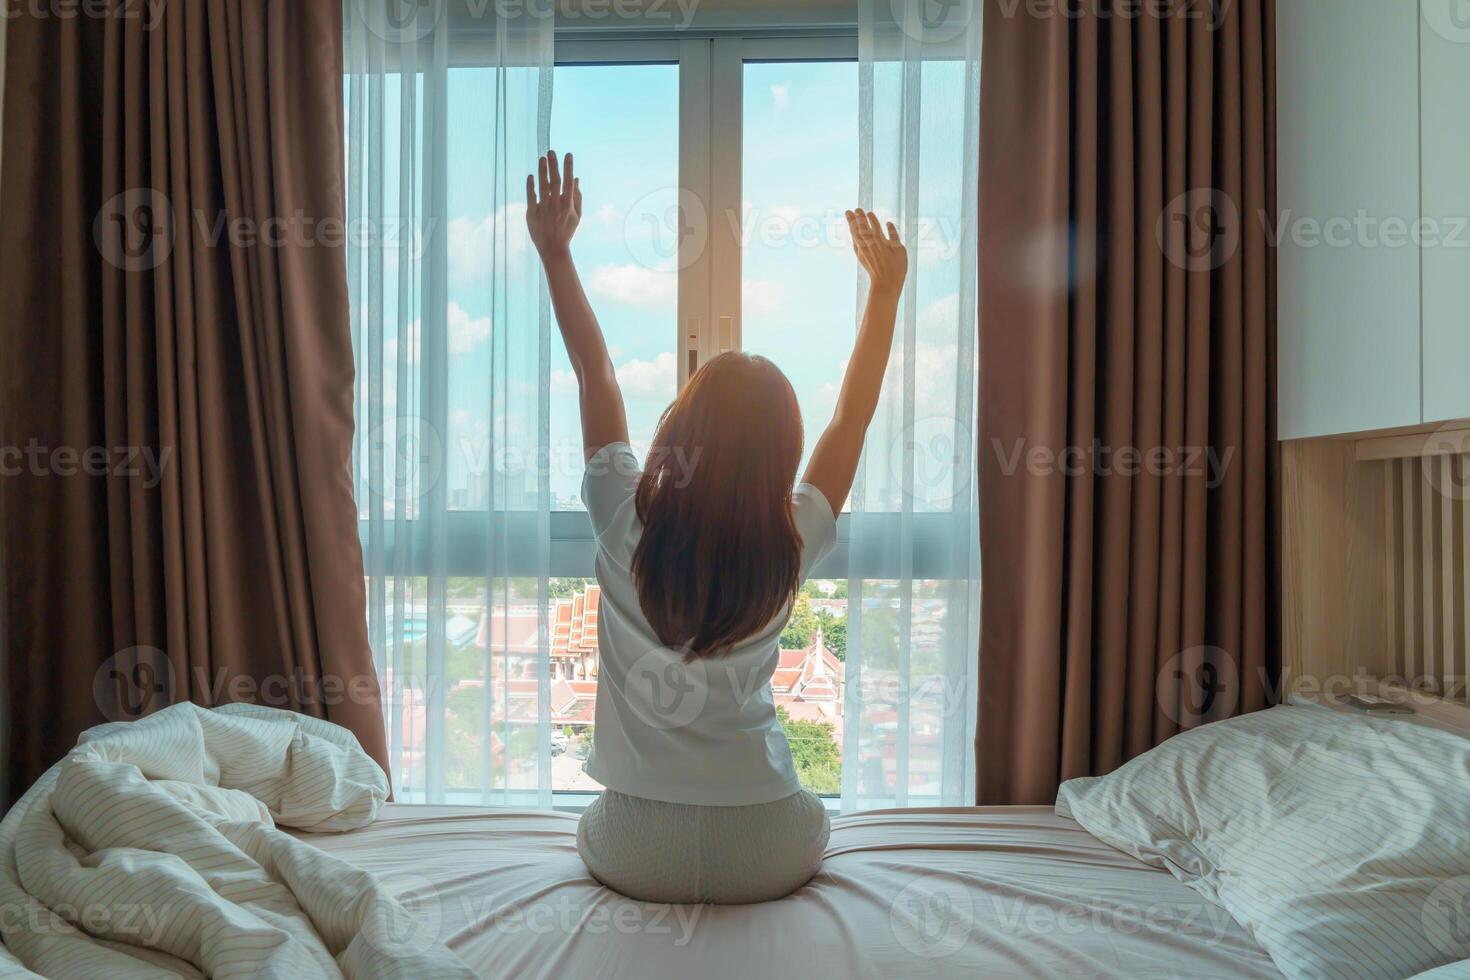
[1373, 130]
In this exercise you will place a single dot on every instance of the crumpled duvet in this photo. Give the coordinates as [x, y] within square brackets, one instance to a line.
[153, 849]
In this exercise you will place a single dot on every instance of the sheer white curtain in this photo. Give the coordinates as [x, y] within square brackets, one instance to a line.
[448, 105]
[913, 607]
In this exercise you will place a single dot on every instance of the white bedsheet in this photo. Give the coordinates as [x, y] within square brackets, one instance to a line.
[152, 850]
[1336, 838]
[993, 892]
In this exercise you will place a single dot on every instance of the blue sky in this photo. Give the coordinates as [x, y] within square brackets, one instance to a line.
[800, 171]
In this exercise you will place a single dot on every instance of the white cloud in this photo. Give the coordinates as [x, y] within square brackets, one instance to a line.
[608, 215]
[829, 390]
[781, 96]
[941, 315]
[473, 241]
[466, 332]
[469, 247]
[936, 372]
[762, 297]
[648, 379]
[636, 285]
[638, 378]
[390, 351]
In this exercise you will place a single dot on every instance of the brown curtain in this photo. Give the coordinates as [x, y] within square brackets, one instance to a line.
[177, 392]
[1127, 399]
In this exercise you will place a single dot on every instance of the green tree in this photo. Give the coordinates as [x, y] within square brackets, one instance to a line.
[815, 752]
[465, 722]
[465, 663]
[801, 626]
[565, 588]
[460, 587]
[834, 633]
[813, 588]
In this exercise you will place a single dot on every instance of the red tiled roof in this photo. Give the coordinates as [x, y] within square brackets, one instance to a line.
[813, 674]
[579, 639]
[572, 702]
[808, 683]
[785, 680]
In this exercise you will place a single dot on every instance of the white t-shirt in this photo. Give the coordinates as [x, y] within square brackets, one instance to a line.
[703, 732]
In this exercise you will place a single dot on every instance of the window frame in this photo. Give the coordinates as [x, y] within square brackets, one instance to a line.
[711, 113]
[709, 320]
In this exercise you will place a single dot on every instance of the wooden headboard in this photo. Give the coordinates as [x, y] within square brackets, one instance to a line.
[1376, 561]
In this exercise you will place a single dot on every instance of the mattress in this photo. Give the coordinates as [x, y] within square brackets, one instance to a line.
[995, 892]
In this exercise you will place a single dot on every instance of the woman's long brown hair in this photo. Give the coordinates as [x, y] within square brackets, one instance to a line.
[720, 556]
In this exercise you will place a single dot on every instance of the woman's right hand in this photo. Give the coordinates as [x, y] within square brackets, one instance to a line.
[883, 256]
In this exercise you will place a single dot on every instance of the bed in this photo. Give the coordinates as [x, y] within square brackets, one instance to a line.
[1307, 840]
[995, 892]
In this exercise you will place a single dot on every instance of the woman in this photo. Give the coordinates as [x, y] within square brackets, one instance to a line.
[699, 558]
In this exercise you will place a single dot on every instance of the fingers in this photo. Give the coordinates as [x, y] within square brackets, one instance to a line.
[855, 227]
[867, 233]
[875, 228]
[555, 180]
[867, 226]
[857, 221]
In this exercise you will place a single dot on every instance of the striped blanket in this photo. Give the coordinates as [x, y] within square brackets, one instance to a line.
[153, 849]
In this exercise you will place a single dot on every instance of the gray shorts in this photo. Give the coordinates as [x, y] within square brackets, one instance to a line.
[687, 854]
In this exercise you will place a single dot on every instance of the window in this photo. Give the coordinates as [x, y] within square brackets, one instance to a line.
[798, 278]
[622, 122]
[717, 170]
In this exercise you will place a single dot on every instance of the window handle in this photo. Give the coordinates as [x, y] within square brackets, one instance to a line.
[692, 332]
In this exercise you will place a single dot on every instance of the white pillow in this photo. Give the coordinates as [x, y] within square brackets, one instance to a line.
[1340, 842]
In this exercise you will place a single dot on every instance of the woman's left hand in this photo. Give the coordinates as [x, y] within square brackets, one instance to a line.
[554, 218]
